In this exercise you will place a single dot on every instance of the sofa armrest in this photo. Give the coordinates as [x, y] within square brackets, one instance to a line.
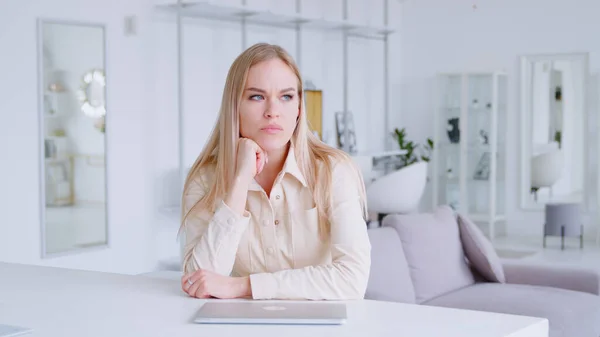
[577, 279]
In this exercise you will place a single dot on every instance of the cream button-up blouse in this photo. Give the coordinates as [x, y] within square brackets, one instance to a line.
[277, 242]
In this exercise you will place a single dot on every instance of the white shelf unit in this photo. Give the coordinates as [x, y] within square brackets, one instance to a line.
[239, 13]
[244, 15]
[470, 145]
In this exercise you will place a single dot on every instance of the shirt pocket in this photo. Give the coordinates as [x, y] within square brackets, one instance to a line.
[308, 246]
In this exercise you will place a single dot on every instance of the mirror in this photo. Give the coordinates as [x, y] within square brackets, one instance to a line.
[72, 115]
[553, 129]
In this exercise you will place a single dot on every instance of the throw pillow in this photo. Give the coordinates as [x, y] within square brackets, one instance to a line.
[479, 251]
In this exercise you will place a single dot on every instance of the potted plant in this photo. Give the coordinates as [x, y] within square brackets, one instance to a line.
[414, 151]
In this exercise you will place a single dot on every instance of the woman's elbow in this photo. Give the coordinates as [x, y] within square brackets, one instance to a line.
[358, 289]
[357, 281]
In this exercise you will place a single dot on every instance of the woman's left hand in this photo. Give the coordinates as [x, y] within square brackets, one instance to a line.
[205, 284]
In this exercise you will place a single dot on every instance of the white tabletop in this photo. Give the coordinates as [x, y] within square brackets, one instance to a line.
[61, 302]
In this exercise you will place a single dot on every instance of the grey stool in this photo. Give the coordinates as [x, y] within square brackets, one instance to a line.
[564, 220]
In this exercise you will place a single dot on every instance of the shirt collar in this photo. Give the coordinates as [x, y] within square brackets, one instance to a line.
[289, 167]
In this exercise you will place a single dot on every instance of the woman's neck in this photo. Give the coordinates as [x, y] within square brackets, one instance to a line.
[276, 160]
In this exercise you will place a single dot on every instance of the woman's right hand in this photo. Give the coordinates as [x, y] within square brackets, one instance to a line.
[251, 159]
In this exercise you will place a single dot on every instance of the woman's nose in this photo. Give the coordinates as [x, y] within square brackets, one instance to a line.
[272, 109]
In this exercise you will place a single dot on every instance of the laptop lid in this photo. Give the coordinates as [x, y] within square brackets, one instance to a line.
[262, 312]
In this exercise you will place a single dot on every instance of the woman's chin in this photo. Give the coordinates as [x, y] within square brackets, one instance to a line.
[269, 145]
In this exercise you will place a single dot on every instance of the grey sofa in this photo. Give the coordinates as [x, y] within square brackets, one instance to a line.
[424, 259]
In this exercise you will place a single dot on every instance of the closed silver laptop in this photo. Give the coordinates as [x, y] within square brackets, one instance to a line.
[263, 312]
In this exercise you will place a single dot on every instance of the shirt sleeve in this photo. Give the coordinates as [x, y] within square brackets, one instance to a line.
[211, 240]
[346, 277]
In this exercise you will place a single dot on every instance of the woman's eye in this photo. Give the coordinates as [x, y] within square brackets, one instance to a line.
[288, 97]
[256, 97]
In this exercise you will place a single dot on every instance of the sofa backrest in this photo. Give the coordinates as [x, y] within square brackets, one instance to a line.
[433, 251]
[389, 279]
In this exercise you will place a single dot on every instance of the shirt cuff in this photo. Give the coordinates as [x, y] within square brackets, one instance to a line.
[226, 216]
[264, 286]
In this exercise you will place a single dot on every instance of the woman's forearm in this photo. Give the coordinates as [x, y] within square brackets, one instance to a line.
[237, 195]
[245, 289]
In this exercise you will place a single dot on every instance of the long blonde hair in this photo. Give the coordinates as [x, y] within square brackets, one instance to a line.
[219, 153]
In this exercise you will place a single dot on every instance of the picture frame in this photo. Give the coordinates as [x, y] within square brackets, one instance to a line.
[344, 125]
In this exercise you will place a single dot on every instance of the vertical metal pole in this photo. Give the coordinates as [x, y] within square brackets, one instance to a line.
[244, 33]
[346, 146]
[180, 116]
[436, 152]
[386, 84]
[493, 156]
[463, 125]
[298, 37]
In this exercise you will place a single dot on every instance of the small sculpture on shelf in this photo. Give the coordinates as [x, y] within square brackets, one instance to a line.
[484, 137]
[453, 130]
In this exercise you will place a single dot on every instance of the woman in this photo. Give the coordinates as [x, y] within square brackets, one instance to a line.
[269, 211]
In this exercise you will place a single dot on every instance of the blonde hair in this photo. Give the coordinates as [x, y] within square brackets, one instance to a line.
[219, 153]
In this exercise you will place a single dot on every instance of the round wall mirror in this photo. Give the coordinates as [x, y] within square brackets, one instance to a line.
[91, 94]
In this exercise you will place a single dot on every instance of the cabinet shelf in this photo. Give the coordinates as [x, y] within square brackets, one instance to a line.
[235, 13]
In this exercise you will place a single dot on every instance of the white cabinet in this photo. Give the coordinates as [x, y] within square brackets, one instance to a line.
[470, 145]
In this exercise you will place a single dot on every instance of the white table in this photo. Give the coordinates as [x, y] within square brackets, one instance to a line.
[63, 303]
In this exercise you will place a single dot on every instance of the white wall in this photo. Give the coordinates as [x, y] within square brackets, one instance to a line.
[440, 35]
[128, 133]
[141, 124]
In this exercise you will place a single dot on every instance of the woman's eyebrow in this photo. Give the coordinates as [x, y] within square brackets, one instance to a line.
[264, 92]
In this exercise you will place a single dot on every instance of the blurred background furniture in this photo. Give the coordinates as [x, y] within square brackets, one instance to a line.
[564, 220]
[399, 191]
[405, 269]
[546, 170]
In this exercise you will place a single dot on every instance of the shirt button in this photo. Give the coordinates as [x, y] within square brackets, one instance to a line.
[277, 222]
[270, 250]
[278, 197]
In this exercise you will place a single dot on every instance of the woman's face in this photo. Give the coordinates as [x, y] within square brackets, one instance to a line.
[270, 104]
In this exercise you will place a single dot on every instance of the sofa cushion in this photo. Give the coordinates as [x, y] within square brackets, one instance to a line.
[570, 313]
[479, 251]
[389, 279]
[433, 251]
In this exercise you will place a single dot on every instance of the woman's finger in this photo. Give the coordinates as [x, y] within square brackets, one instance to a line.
[192, 289]
[189, 279]
[184, 281]
[201, 293]
[261, 164]
[261, 157]
[258, 162]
